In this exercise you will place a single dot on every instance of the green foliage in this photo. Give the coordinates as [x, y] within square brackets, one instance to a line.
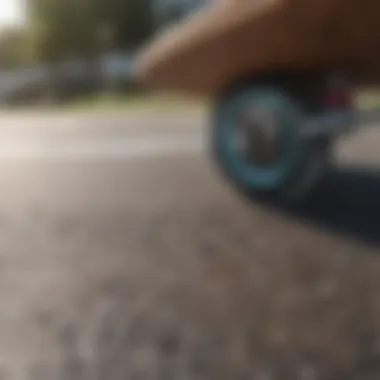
[129, 22]
[65, 28]
[13, 52]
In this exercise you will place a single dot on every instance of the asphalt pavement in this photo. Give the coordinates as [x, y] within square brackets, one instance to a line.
[124, 255]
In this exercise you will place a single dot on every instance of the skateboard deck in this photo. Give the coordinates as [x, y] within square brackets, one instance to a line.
[232, 39]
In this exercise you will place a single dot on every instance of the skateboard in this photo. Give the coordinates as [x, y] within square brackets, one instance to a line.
[282, 75]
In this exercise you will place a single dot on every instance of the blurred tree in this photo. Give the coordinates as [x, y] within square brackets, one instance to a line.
[62, 28]
[128, 22]
[64, 31]
[12, 48]
[66, 28]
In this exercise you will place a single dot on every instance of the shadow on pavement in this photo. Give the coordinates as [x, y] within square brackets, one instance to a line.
[348, 202]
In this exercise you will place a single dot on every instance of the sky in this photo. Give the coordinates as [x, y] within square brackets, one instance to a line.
[11, 12]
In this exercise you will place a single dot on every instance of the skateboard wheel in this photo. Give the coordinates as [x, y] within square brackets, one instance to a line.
[257, 144]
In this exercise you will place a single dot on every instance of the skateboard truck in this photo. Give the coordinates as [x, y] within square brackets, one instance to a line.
[334, 124]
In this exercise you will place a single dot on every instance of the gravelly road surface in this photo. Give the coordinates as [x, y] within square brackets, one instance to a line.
[124, 256]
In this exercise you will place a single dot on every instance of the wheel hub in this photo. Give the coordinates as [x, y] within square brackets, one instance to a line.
[258, 138]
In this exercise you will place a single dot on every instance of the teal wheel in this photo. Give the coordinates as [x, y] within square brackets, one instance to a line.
[257, 144]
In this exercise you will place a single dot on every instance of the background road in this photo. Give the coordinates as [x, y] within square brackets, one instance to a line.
[124, 256]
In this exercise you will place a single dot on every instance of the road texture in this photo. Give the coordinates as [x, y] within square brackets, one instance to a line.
[123, 255]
